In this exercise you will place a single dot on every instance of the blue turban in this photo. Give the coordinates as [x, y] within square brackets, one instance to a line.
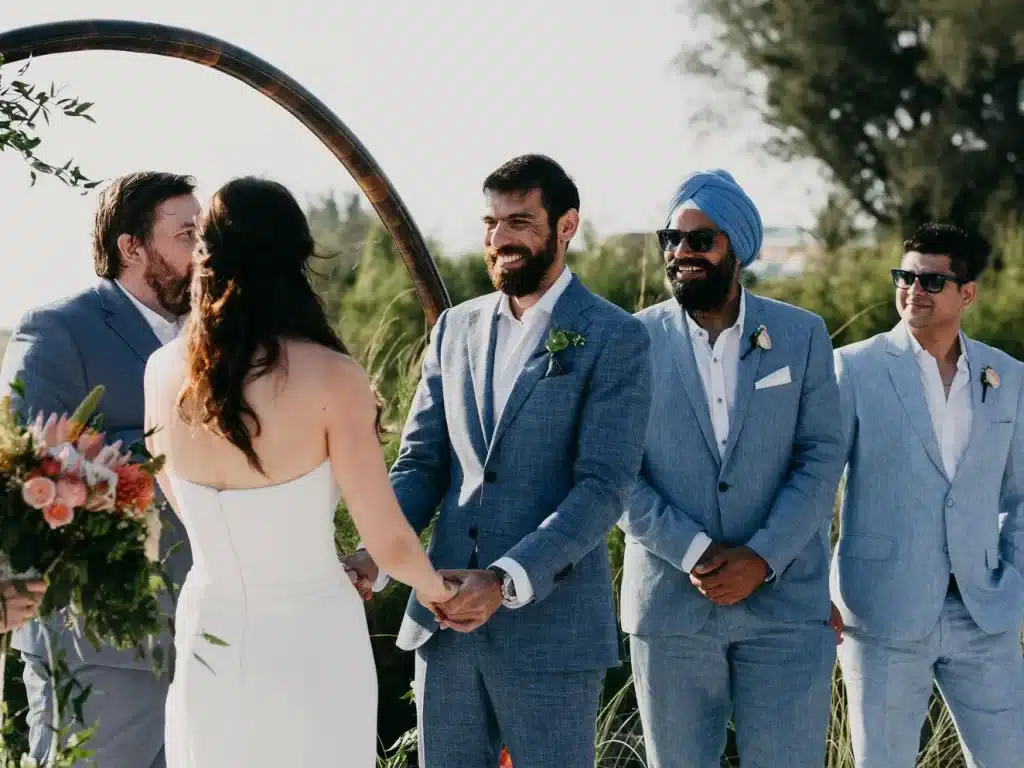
[722, 200]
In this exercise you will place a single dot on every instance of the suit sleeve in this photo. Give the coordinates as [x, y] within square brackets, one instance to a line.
[610, 442]
[1011, 537]
[847, 406]
[421, 474]
[805, 502]
[661, 528]
[43, 354]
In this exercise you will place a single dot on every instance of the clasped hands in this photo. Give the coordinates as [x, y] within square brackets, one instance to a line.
[479, 596]
[478, 593]
[728, 575]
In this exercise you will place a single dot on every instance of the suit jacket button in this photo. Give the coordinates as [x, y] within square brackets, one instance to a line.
[949, 502]
[489, 476]
[723, 487]
[472, 532]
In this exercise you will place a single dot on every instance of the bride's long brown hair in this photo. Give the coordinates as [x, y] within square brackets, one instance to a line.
[250, 290]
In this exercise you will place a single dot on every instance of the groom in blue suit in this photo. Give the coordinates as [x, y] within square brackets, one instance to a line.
[927, 571]
[725, 584]
[526, 430]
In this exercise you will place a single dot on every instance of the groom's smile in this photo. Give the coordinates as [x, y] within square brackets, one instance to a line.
[510, 260]
[520, 248]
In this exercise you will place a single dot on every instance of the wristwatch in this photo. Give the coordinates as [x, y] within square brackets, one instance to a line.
[508, 586]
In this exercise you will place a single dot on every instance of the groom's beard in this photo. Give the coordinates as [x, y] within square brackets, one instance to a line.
[702, 294]
[526, 279]
[172, 290]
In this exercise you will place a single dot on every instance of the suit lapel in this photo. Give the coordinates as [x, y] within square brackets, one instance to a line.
[906, 378]
[566, 315]
[746, 372]
[980, 418]
[481, 368]
[681, 346]
[126, 321]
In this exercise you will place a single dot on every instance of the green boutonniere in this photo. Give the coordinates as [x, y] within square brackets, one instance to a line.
[560, 339]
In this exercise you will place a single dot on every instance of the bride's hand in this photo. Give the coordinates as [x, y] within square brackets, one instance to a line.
[432, 600]
[451, 590]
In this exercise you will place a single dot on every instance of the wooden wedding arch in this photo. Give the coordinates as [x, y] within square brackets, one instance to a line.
[179, 43]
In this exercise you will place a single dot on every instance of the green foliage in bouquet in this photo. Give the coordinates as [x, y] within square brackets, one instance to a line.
[81, 515]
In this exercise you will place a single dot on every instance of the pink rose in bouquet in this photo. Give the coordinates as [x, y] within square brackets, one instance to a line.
[71, 491]
[39, 492]
[58, 514]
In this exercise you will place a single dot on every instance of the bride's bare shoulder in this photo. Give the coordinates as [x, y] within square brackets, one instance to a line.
[325, 368]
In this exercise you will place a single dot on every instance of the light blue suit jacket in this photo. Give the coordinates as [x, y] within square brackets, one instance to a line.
[544, 485]
[773, 490]
[60, 352]
[905, 525]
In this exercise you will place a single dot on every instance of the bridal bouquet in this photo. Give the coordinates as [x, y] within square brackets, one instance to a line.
[80, 514]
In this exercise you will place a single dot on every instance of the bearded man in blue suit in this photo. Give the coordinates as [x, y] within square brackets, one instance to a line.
[725, 588]
[524, 439]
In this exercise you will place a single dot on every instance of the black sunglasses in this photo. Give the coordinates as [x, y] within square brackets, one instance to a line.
[697, 240]
[931, 282]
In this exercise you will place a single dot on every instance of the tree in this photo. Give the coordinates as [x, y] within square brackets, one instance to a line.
[21, 106]
[915, 108]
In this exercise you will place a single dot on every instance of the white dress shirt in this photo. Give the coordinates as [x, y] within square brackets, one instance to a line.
[515, 341]
[952, 415]
[166, 330]
[717, 366]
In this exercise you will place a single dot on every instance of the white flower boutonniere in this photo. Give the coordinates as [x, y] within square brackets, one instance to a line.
[989, 378]
[759, 339]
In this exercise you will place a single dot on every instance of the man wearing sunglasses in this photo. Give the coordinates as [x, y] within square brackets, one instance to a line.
[725, 584]
[927, 571]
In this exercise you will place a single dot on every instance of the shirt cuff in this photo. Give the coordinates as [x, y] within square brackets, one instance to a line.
[695, 551]
[382, 578]
[524, 589]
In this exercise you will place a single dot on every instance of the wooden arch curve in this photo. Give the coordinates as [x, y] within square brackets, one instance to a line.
[179, 43]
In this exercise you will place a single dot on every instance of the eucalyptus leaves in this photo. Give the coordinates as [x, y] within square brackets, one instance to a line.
[560, 340]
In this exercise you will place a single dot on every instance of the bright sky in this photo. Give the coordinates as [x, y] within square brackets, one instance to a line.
[440, 92]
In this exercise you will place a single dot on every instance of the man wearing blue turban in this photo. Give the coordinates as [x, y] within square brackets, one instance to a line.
[725, 588]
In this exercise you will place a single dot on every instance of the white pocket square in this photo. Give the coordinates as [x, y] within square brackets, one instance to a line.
[775, 379]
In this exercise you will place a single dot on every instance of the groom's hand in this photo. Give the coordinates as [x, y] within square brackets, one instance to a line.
[362, 571]
[730, 576]
[479, 597]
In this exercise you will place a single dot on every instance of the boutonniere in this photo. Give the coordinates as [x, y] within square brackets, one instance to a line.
[989, 378]
[759, 339]
[561, 339]
[558, 341]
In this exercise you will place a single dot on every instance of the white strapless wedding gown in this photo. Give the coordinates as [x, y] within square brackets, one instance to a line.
[296, 684]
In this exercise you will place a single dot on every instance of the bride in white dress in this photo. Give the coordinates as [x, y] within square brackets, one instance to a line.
[265, 422]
